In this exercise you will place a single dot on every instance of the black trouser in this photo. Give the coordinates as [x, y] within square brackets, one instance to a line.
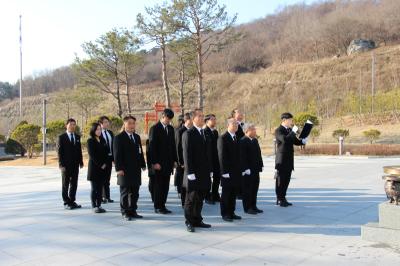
[250, 185]
[160, 191]
[129, 196]
[282, 180]
[228, 200]
[106, 187]
[193, 206]
[178, 179]
[69, 185]
[95, 193]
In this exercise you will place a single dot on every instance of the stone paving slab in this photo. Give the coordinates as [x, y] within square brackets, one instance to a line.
[332, 198]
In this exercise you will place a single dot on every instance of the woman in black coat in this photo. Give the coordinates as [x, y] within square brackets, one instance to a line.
[97, 166]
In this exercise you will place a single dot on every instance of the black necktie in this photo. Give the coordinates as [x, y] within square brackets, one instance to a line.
[234, 138]
[131, 137]
[202, 134]
[166, 129]
[72, 139]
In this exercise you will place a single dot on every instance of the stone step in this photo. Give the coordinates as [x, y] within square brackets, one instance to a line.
[389, 215]
[375, 233]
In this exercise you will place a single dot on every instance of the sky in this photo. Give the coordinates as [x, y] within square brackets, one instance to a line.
[53, 30]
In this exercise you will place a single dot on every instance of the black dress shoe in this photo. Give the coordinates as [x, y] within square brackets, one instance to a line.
[104, 201]
[162, 211]
[236, 217]
[258, 210]
[202, 225]
[135, 215]
[227, 219]
[283, 203]
[68, 207]
[251, 211]
[288, 203]
[102, 210]
[74, 205]
[189, 228]
[110, 200]
[127, 217]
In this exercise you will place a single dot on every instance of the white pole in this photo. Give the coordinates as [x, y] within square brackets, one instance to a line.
[20, 62]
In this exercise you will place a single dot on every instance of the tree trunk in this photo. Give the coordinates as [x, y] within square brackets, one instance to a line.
[164, 74]
[199, 72]
[128, 100]
[118, 93]
[182, 84]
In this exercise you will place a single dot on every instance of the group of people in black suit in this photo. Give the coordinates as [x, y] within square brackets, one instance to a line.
[203, 161]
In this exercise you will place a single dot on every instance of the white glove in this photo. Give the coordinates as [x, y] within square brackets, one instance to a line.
[295, 129]
[211, 174]
[225, 176]
[304, 141]
[191, 177]
[247, 172]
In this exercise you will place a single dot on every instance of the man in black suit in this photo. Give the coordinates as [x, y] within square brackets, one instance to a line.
[107, 138]
[252, 165]
[186, 123]
[238, 116]
[229, 162]
[286, 137]
[69, 152]
[197, 156]
[162, 153]
[211, 131]
[129, 163]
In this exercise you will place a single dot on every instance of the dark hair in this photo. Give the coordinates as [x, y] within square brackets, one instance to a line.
[186, 116]
[181, 120]
[102, 118]
[208, 117]
[234, 112]
[286, 116]
[93, 129]
[70, 120]
[168, 113]
[126, 118]
[194, 112]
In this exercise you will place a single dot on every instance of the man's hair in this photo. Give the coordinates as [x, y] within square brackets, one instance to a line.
[186, 117]
[230, 121]
[70, 120]
[286, 116]
[126, 118]
[234, 112]
[102, 118]
[247, 126]
[194, 112]
[168, 113]
[208, 117]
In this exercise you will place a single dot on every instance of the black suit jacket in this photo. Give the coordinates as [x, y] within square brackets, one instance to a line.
[251, 155]
[128, 157]
[197, 155]
[285, 139]
[229, 160]
[103, 140]
[98, 156]
[213, 135]
[162, 149]
[69, 154]
[178, 142]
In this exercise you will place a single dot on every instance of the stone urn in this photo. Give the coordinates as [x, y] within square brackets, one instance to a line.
[392, 183]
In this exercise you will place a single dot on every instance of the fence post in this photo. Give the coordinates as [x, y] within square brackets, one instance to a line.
[341, 141]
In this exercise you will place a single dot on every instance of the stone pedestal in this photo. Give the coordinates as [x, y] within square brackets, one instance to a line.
[387, 231]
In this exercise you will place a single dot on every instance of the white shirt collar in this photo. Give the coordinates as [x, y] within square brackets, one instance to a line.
[198, 128]
[70, 133]
[232, 135]
[129, 134]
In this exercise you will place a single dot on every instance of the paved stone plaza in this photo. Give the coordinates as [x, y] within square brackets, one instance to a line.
[332, 198]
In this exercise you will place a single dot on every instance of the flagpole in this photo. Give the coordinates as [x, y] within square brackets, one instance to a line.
[20, 64]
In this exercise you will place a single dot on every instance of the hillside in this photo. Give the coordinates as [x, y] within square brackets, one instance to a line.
[329, 88]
